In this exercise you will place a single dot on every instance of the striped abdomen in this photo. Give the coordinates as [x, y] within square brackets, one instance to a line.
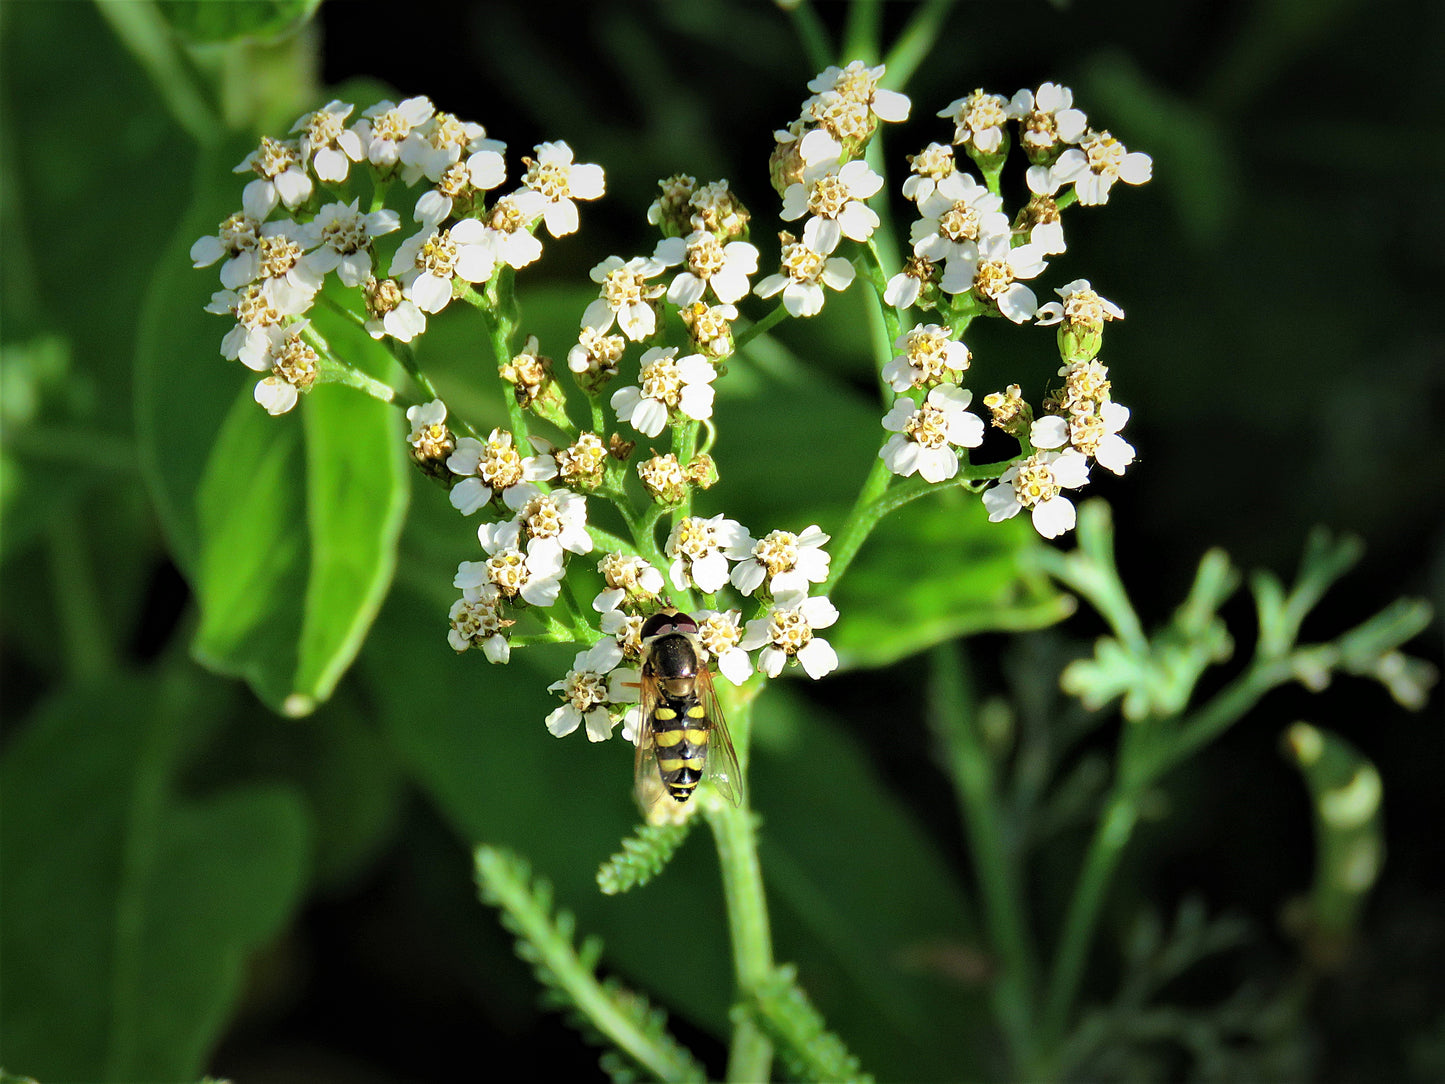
[680, 729]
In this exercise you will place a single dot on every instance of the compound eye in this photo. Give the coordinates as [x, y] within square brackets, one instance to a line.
[667, 622]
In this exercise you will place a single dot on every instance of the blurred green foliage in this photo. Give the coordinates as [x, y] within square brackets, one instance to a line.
[161, 827]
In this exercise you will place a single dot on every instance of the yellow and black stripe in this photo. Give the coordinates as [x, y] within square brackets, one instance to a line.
[680, 728]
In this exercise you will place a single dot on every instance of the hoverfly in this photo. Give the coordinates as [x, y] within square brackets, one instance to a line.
[682, 735]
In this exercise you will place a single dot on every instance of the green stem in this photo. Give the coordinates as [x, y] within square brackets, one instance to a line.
[915, 42]
[764, 325]
[993, 851]
[143, 30]
[1111, 836]
[813, 34]
[348, 377]
[734, 831]
[863, 32]
[504, 885]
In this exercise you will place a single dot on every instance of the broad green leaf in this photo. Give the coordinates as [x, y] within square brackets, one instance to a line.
[214, 21]
[935, 570]
[298, 542]
[129, 908]
[184, 389]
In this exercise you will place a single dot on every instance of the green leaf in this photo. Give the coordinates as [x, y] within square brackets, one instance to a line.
[184, 389]
[1347, 794]
[297, 542]
[644, 855]
[214, 21]
[129, 909]
[936, 570]
[804, 1042]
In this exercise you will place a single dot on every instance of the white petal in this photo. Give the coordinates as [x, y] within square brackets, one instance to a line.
[1001, 502]
[1051, 431]
[1054, 516]
[818, 658]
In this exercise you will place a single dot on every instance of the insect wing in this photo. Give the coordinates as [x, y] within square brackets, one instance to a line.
[652, 796]
[722, 758]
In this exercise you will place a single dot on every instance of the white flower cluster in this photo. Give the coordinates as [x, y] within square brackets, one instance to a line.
[819, 170]
[963, 241]
[527, 560]
[272, 269]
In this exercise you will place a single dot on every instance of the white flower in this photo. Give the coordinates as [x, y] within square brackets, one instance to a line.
[789, 629]
[1096, 164]
[626, 297]
[494, 467]
[476, 621]
[237, 240]
[956, 218]
[666, 384]
[261, 309]
[1090, 429]
[628, 578]
[281, 177]
[1047, 118]
[559, 181]
[993, 276]
[596, 352]
[925, 438]
[1036, 484]
[327, 144]
[294, 364]
[545, 521]
[700, 549]
[593, 686]
[385, 126]
[929, 357]
[438, 143]
[707, 262]
[926, 169]
[276, 395]
[815, 146]
[787, 561]
[1080, 305]
[626, 629]
[720, 634]
[833, 196]
[345, 236]
[905, 288]
[481, 172]
[859, 83]
[801, 273]
[391, 313]
[536, 578]
[430, 438]
[428, 261]
[978, 119]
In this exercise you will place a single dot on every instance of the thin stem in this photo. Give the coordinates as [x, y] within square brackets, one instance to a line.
[813, 34]
[759, 328]
[862, 34]
[155, 46]
[734, 831]
[993, 851]
[1111, 836]
[915, 42]
[857, 525]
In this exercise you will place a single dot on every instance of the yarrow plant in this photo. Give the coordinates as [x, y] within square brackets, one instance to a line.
[589, 498]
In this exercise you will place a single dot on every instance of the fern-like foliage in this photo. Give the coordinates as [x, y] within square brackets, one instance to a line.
[642, 857]
[808, 1049]
[604, 1011]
